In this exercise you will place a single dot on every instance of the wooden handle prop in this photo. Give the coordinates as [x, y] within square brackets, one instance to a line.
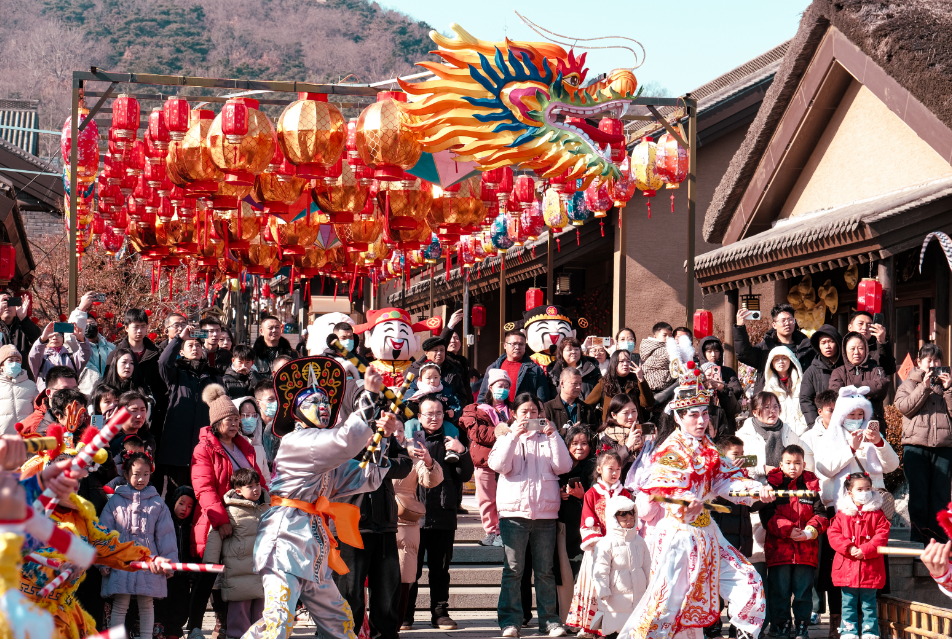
[379, 435]
[362, 368]
[899, 551]
[710, 506]
[780, 493]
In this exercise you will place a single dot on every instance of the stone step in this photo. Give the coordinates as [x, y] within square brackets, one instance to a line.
[465, 598]
[468, 553]
[470, 575]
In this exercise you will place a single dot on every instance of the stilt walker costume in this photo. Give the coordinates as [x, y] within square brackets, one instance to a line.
[295, 550]
[692, 563]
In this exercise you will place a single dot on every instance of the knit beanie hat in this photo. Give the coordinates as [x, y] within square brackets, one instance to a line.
[7, 351]
[495, 375]
[219, 404]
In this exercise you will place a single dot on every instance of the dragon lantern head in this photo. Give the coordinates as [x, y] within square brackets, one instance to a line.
[518, 103]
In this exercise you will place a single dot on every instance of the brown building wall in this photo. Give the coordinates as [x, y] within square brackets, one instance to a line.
[657, 248]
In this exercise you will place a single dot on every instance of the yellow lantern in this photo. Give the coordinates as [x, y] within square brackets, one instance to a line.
[260, 258]
[179, 234]
[295, 236]
[228, 195]
[377, 251]
[643, 169]
[276, 192]
[190, 159]
[344, 198]
[241, 141]
[359, 235]
[456, 209]
[385, 140]
[312, 134]
[404, 205]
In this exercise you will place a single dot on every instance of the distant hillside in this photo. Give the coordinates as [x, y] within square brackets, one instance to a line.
[43, 41]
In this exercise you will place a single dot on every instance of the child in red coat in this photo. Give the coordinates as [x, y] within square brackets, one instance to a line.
[858, 528]
[792, 549]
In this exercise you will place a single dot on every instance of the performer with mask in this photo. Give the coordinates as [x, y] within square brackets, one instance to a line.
[295, 550]
[692, 563]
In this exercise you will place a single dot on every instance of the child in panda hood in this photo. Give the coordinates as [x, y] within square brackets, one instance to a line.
[295, 550]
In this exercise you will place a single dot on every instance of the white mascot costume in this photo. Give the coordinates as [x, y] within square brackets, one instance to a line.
[317, 333]
[391, 339]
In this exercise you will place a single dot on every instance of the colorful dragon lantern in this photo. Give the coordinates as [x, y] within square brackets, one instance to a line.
[506, 103]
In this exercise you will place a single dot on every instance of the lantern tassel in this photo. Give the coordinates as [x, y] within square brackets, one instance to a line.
[188, 277]
[336, 284]
[353, 283]
[601, 223]
[558, 244]
[672, 202]
[648, 202]
[578, 238]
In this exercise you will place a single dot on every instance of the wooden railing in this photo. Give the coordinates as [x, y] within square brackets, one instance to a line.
[906, 619]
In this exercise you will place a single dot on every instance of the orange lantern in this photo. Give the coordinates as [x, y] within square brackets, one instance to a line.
[344, 198]
[869, 295]
[384, 138]
[227, 196]
[276, 192]
[311, 261]
[294, 237]
[359, 235]
[405, 204]
[260, 258]
[456, 209]
[237, 227]
[191, 159]
[703, 324]
[312, 134]
[241, 156]
[671, 163]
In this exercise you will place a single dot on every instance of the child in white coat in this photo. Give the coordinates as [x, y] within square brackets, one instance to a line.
[622, 565]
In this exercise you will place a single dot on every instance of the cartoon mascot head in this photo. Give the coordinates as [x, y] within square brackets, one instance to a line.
[545, 326]
[390, 333]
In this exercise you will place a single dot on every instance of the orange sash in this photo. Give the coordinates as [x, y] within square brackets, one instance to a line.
[346, 519]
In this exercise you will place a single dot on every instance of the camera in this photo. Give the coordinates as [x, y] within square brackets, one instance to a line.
[935, 372]
[100, 297]
[15, 302]
[752, 304]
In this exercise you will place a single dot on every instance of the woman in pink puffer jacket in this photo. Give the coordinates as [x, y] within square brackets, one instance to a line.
[527, 497]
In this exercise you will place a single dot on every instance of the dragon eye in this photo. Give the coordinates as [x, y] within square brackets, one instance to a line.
[572, 80]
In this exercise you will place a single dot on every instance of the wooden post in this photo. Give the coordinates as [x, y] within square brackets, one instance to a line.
[502, 300]
[730, 318]
[431, 293]
[549, 288]
[692, 199]
[464, 348]
[73, 200]
[620, 267]
[886, 270]
[941, 271]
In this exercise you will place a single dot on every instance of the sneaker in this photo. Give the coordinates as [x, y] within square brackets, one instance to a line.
[498, 541]
[815, 618]
[557, 631]
[445, 623]
[510, 632]
[489, 540]
[451, 457]
[407, 625]
[802, 630]
[585, 634]
[461, 509]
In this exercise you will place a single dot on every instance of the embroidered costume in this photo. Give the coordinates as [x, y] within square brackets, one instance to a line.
[584, 596]
[692, 563]
[295, 550]
[19, 617]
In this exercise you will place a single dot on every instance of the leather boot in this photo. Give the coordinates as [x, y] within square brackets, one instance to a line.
[834, 630]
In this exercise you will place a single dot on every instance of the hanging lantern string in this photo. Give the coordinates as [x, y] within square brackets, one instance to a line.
[573, 44]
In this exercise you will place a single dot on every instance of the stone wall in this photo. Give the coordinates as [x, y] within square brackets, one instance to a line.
[39, 223]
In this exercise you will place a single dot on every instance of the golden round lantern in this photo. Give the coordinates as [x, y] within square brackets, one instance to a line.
[456, 209]
[276, 192]
[404, 205]
[384, 138]
[241, 156]
[190, 158]
[312, 134]
[344, 198]
[311, 262]
[179, 234]
[260, 258]
[334, 262]
[294, 237]
[228, 195]
[237, 227]
[231, 268]
[359, 235]
[377, 251]
[643, 169]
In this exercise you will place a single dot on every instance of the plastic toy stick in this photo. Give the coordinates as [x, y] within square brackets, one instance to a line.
[183, 566]
[54, 584]
[780, 493]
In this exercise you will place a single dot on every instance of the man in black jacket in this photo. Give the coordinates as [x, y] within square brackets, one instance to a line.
[240, 379]
[269, 344]
[438, 526]
[784, 332]
[146, 373]
[378, 562]
[568, 409]
[877, 341]
[218, 359]
[816, 378]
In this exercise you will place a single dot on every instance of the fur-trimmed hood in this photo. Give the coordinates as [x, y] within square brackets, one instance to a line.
[846, 505]
[850, 398]
[772, 380]
[614, 505]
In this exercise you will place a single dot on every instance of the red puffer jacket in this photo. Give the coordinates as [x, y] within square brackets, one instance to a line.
[211, 476]
[785, 514]
[481, 429]
[866, 529]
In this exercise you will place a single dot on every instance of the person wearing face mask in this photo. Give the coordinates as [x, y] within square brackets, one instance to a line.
[253, 429]
[626, 341]
[17, 391]
[100, 348]
[267, 409]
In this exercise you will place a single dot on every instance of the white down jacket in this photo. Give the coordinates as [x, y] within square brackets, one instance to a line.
[16, 401]
[621, 569]
[529, 468]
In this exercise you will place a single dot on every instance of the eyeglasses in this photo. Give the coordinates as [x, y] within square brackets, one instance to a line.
[178, 326]
[432, 416]
[786, 320]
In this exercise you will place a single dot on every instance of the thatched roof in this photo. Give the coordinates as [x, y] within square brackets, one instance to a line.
[911, 40]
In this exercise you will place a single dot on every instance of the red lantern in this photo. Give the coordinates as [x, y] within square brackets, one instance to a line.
[703, 324]
[533, 298]
[478, 316]
[614, 127]
[161, 136]
[234, 120]
[524, 191]
[176, 117]
[125, 116]
[135, 158]
[869, 296]
[8, 262]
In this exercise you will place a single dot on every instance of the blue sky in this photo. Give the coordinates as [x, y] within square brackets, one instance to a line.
[702, 39]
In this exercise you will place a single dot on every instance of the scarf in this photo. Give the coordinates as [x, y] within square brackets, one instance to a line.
[423, 389]
[771, 433]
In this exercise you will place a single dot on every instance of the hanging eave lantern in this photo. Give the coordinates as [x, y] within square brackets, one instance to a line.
[643, 158]
[312, 135]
